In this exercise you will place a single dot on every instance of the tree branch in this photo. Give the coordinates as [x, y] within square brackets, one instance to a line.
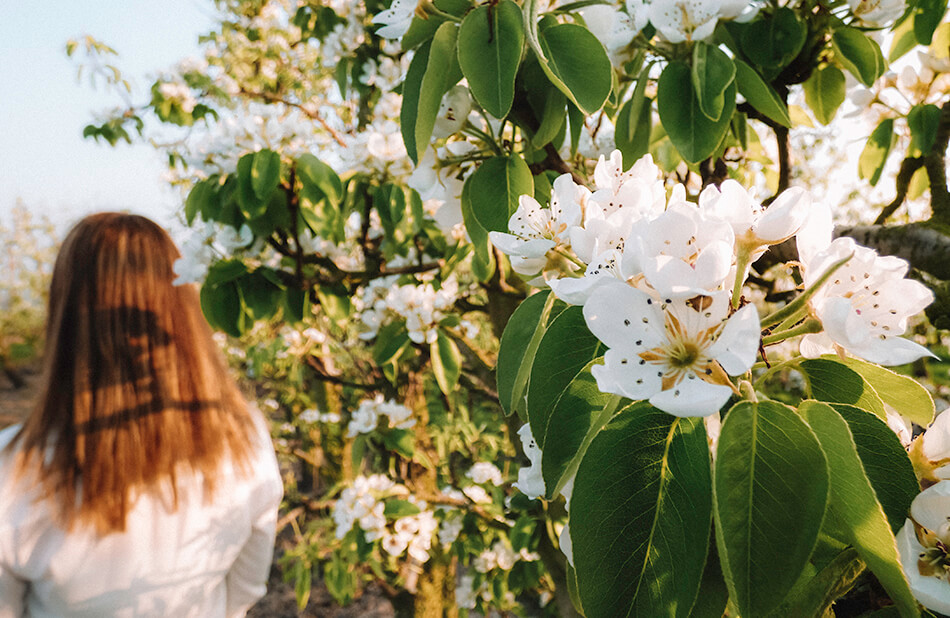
[936, 163]
[908, 167]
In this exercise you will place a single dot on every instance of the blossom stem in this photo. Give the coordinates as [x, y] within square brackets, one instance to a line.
[573, 6]
[811, 325]
[801, 301]
[571, 257]
[742, 264]
[431, 9]
[793, 362]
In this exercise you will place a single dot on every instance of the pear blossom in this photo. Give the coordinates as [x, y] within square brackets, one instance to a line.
[612, 27]
[536, 230]
[485, 472]
[396, 19]
[877, 12]
[756, 227]
[453, 111]
[679, 354]
[684, 20]
[865, 305]
[530, 482]
[683, 252]
[605, 269]
[922, 544]
[931, 450]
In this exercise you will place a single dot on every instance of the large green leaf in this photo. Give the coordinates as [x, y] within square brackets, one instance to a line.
[712, 72]
[518, 345]
[565, 348]
[250, 204]
[421, 29]
[495, 188]
[874, 155]
[426, 81]
[573, 59]
[927, 16]
[567, 428]
[261, 295]
[490, 43]
[885, 462]
[855, 506]
[640, 515]
[635, 119]
[222, 307]
[903, 40]
[483, 263]
[320, 177]
[825, 92]
[860, 55]
[695, 136]
[446, 362]
[760, 95]
[924, 121]
[770, 493]
[773, 42]
[265, 173]
[834, 382]
[906, 395]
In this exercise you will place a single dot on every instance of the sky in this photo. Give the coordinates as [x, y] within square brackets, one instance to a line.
[44, 160]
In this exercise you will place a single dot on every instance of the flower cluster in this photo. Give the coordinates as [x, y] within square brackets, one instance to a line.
[363, 504]
[663, 278]
[422, 307]
[367, 415]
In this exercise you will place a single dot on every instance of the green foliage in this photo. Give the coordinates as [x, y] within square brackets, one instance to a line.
[489, 50]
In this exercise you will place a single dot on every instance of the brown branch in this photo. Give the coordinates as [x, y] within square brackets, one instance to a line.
[936, 163]
[908, 167]
[553, 161]
[276, 98]
[325, 376]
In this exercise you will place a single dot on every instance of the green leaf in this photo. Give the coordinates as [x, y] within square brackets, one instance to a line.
[265, 173]
[773, 42]
[224, 271]
[296, 304]
[394, 509]
[639, 127]
[446, 362]
[200, 199]
[770, 492]
[695, 136]
[519, 344]
[495, 188]
[902, 41]
[712, 72]
[422, 29]
[859, 54]
[906, 395]
[825, 92]
[713, 594]
[402, 441]
[885, 462]
[483, 263]
[640, 515]
[874, 156]
[221, 305]
[567, 428]
[490, 42]
[319, 177]
[834, 382]
[250, 204]
[390, 342]
[426, 81]
[854, 503]
[261, 296]
[923, 121]
[573, 59]
[927, 16]
[760, 95]
[565, 348]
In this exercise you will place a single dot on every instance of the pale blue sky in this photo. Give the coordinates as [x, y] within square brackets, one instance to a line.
[44, 159]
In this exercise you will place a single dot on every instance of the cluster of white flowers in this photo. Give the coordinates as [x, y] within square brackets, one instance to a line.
[367, 415]
[313, 415]
[363, 504]
[661, 278]
[298, 343]
[421, 306]
[501, 556]
[180, 93]
[485, 472]
[877, 13]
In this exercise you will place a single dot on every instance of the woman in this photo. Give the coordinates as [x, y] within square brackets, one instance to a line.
[141, 484]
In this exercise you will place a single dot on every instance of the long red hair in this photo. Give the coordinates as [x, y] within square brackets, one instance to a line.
[134, 391]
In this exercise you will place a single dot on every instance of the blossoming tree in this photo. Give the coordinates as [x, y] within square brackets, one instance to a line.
[597, 204]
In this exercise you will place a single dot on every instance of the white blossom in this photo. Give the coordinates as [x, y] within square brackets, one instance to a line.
[530, 481]
[922, 544]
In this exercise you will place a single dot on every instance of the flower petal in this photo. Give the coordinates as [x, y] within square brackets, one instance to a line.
[621, 316]
[737, 345]
[692, 397]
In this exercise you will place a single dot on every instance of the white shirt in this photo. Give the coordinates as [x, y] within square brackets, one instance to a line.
[206, 560]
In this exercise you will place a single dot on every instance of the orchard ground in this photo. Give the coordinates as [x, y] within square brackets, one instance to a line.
[279, 602]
